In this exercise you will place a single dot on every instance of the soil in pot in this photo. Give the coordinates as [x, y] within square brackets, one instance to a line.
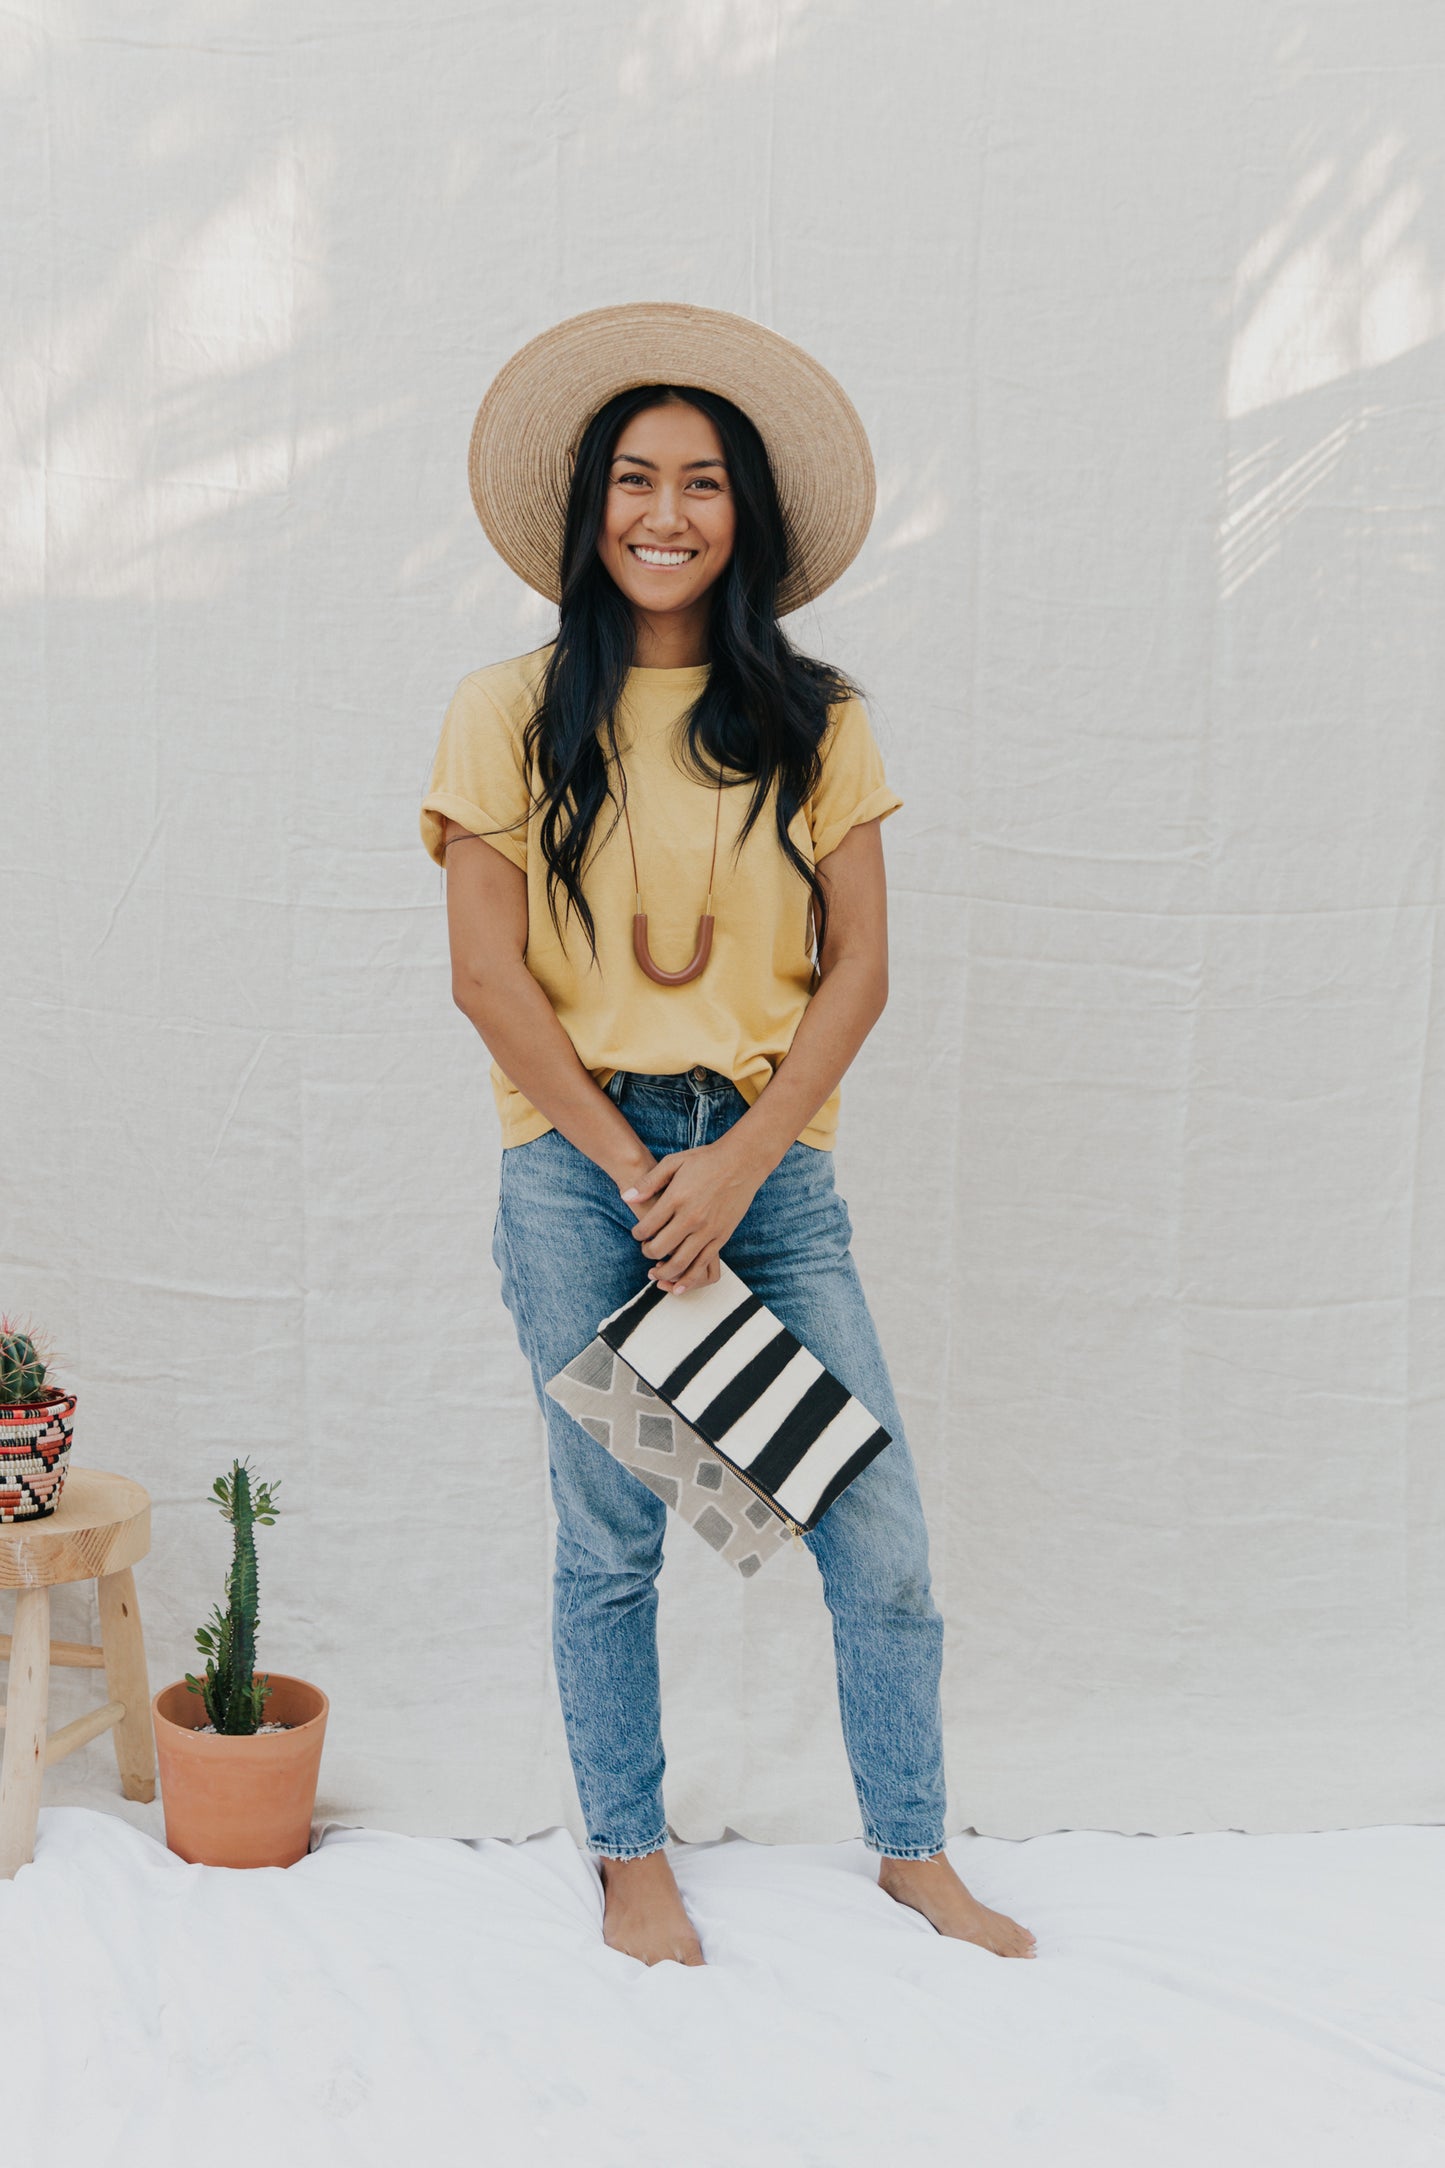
[240, 1801]
[260, 1728]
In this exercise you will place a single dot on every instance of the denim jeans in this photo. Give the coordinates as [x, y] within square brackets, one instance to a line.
[564, 1246]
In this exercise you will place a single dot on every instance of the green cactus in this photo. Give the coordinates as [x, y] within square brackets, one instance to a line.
[235, 1699]
[24, 1362]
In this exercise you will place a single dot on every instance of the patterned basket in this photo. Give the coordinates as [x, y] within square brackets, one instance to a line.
[34, 1455]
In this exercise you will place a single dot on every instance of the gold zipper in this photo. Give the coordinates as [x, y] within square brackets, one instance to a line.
[786, 1518]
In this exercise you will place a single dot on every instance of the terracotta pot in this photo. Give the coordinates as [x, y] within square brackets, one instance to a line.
[240, 1801]
[34, 1454]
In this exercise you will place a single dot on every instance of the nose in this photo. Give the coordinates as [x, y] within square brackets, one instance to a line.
[665, 515]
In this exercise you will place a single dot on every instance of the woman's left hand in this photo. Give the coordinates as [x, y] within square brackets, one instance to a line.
[687, 1206]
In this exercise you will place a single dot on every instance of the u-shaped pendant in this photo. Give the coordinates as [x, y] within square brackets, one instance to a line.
[703, 949]
[689, 971]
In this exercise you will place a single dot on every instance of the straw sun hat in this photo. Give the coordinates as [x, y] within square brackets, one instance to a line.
[529, 425]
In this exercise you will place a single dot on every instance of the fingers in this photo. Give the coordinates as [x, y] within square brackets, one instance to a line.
[690, 1281]
[677, 1263]
[664, 1241]
[678, 1274]
[684, 1259]
[657, 1229]
[645, 1188]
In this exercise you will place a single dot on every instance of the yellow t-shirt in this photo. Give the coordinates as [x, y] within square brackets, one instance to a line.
[739, 1015]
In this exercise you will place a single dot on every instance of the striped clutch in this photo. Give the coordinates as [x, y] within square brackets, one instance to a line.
[773, 1414]
[621, 1411]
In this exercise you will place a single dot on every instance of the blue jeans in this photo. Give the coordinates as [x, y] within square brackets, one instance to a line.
[564, 1246]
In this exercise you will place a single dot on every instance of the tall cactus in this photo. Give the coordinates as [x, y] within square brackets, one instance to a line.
[234, 1697]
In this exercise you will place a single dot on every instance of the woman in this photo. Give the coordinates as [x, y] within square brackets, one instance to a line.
[667, 1083]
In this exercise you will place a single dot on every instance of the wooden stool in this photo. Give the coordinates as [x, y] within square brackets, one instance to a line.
[101, 1526]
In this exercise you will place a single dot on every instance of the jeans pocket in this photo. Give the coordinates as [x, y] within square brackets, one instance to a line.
[501, 1208]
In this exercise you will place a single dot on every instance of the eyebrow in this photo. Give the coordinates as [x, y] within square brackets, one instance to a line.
[633, 461]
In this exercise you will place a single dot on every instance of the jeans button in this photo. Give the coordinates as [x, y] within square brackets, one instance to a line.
[699, 1075]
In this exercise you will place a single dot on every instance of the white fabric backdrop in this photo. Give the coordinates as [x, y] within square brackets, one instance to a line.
[1143, 307]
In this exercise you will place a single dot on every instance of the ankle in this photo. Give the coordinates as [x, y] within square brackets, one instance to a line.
[639, 1867]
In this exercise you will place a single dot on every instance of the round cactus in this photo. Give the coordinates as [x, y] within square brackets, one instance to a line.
[23, 1365]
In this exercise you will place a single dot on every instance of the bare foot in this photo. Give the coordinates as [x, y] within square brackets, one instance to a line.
[645, 1916]
[931, 1887]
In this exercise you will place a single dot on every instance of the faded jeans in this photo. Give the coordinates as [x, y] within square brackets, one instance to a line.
[564, 1246]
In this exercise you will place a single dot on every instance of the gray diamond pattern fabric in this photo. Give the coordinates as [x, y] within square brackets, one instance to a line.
[621, 1411]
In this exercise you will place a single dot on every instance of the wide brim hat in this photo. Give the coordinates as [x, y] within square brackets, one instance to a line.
[528, 427]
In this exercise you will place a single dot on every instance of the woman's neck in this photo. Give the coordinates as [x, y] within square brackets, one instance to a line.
[671, 639]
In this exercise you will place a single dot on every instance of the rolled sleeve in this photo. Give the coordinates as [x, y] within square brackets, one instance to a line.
[477, 777]
[853, 786]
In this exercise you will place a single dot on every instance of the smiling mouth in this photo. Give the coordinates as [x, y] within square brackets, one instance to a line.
[660, 560]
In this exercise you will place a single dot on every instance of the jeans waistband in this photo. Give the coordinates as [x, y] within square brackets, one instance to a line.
[685, 1086]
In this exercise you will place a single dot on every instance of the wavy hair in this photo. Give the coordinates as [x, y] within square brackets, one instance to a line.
[762, 714]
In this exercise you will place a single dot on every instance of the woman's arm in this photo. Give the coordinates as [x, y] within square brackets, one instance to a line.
[491, 985]
[842, 1010]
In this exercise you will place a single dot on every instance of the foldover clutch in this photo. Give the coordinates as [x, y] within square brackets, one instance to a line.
[713, 1403]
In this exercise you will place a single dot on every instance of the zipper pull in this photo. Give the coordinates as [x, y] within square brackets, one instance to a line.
[797, 1538]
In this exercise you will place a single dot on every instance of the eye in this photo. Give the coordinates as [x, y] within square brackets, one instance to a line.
[631, 477]
[707, 482]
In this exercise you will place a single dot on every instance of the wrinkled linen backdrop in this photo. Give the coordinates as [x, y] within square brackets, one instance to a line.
[1146, 1159]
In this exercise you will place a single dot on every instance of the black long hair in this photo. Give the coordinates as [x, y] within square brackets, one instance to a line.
[764, 708]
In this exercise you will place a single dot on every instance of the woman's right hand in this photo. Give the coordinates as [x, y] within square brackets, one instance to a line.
[634, 1177]
[691, 1203]
[703, 1272]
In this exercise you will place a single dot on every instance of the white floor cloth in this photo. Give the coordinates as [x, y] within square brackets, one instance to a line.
[1196, 2000]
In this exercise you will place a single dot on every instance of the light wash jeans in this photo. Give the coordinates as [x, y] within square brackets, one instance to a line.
[564, 1246]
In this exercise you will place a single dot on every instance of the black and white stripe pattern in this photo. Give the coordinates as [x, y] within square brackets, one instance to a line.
[732, 1370]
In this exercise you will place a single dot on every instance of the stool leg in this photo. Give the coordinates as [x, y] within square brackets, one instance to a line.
[126, 1680]
[23, 1771]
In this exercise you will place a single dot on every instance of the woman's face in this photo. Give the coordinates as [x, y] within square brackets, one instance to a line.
[667, 531]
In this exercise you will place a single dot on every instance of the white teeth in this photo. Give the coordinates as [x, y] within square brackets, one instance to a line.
[662, 557]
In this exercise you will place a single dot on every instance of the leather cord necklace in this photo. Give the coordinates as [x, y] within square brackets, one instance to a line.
[704, 925]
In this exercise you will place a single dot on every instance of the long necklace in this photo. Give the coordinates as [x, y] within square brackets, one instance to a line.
[704, 925]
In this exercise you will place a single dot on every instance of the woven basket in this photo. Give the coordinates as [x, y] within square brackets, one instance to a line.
[34, 1455]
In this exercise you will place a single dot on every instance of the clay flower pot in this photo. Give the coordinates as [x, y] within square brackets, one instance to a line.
[34, 1454]
[234, 1800]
